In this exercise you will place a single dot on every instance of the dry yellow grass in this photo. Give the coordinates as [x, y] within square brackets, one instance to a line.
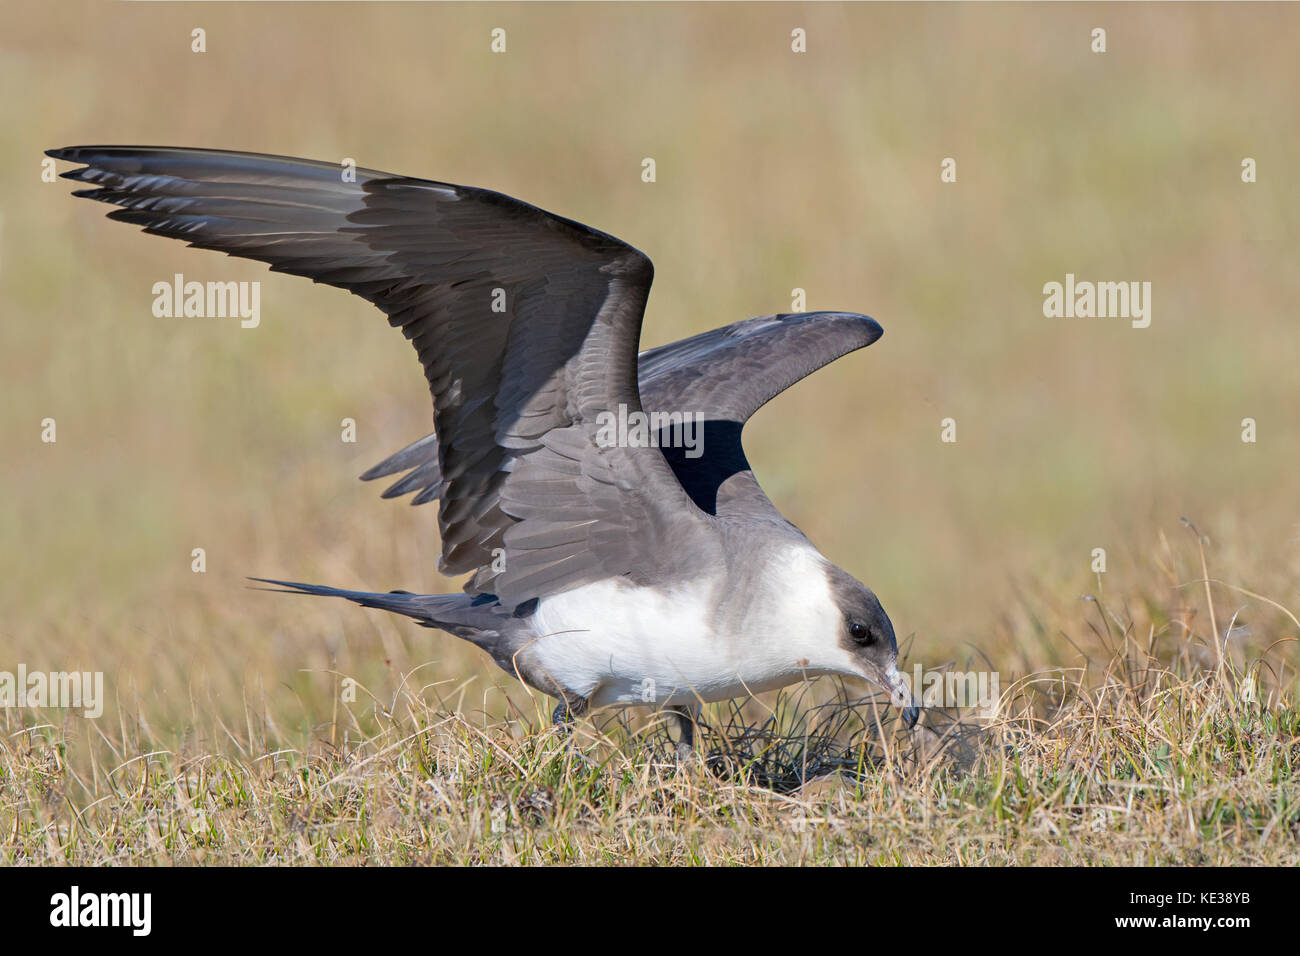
[1147, 750]
[775, 172]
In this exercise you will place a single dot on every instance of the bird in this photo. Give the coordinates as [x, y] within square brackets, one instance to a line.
[608, 566]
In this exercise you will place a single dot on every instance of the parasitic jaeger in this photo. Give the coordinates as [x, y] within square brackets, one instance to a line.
[603, 572]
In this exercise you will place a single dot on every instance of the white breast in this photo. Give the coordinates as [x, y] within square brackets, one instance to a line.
[615, 643]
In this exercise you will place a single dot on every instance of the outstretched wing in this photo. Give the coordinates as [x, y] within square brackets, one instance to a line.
[727, 374]
[526, 325]
[734, 371]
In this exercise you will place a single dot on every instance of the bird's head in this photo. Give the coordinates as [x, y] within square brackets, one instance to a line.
[866, 634]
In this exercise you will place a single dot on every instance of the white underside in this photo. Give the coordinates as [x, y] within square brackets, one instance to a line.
[613, 643]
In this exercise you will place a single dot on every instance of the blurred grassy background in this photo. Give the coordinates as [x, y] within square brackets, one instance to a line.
[775, 171]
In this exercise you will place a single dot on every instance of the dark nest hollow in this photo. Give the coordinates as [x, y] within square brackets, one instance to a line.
[800, 738]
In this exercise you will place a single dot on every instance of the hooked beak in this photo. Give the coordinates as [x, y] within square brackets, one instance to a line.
[900, 695]
[910, 714]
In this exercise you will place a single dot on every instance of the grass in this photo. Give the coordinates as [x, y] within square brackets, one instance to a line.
[1150, 749]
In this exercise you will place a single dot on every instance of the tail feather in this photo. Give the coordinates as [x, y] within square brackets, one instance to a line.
[454, 613]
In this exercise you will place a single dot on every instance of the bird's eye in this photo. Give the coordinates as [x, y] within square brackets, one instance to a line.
[858, 631]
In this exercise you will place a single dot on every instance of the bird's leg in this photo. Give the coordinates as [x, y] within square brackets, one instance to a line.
[566, 711]
[686, 718]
